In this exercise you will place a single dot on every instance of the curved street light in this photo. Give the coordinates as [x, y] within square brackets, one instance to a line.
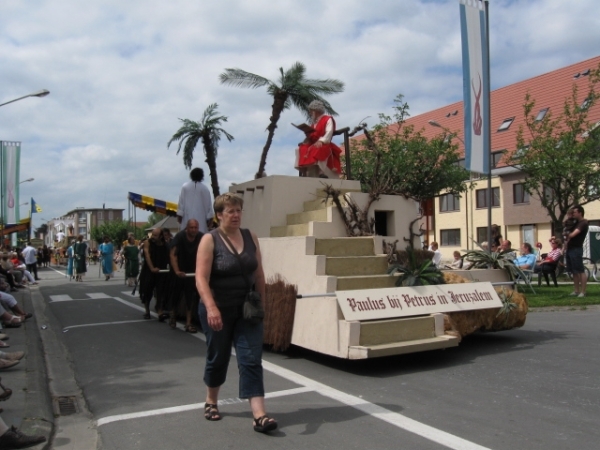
[27, 180]
[41, 93]
[433, 123]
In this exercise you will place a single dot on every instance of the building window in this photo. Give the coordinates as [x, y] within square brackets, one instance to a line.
[449, 202]
[541, 114]
[82, 219]
[100, 215]
[481, 198]
[110, 215]
[520, 195]
[481, 234]
[586, 103]
[82, 230]
[496, 158]
[506, 124]
[450, 237]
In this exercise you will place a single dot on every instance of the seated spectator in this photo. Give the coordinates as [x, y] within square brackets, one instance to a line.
[457, 263]
[19, 265]
[437, 255]
[551, 258]
[506, 247]
[527, 259]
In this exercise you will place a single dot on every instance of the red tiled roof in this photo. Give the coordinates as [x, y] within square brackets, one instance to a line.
[548, 90]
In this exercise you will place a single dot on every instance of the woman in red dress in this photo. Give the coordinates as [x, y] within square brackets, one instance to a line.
[317, 156]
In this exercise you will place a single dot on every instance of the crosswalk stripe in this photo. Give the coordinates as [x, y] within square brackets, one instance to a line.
[60, 298]
[98, 295]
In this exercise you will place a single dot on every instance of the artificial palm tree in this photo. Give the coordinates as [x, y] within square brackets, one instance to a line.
[292, 88]
[209, 131]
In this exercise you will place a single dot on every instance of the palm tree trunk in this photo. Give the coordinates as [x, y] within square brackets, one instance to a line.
[211, 161]
[277, 109]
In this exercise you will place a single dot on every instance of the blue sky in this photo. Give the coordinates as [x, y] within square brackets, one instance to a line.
[122, 73]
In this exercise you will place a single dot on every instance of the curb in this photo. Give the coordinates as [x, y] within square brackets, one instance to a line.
[38, 416]
[75, 431]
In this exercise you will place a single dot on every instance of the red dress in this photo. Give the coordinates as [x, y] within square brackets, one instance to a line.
[308, 155]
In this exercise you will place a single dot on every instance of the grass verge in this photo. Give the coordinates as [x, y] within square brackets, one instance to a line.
[559, 296]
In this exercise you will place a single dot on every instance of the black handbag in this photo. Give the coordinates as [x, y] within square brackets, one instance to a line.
[253, 309]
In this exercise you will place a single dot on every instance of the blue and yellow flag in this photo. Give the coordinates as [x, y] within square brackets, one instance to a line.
[35, 208]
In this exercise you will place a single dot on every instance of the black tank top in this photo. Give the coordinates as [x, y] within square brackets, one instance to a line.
[226, 277]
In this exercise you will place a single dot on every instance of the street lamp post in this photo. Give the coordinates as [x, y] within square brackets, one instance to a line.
[433, 123]
[42, 93]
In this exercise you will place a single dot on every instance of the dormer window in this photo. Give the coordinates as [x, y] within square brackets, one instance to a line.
[541, 114]
[506, 124]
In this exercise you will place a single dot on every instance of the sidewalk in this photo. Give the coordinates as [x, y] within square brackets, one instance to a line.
[30, 406]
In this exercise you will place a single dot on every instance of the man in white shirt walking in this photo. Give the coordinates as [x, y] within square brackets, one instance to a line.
[195, 202]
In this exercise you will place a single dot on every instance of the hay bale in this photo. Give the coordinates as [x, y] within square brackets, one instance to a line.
[280, 307]
[463, 323]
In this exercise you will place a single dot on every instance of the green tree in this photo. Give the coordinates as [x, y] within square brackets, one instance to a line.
[116, 230]
[292, 88]
[560, 154]
[210, 132]
[154, 218]
[394, 159]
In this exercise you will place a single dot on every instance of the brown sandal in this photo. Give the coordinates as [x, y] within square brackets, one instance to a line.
[211, 412]
[264, 424]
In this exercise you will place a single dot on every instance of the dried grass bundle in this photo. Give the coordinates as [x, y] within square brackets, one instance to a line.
[461, 324]
[280, 306]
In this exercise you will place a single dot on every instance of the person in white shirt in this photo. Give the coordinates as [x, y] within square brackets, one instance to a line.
[195, 202]
[30, 255]
[437, 255]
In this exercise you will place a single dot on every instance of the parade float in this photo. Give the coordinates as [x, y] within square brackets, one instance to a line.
[349, 306]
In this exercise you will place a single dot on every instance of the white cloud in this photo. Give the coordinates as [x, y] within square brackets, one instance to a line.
[122, 73]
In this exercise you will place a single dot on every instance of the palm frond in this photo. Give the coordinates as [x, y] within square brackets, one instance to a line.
[241, 78]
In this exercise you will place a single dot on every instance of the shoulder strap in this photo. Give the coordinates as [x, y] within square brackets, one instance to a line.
[237, 255]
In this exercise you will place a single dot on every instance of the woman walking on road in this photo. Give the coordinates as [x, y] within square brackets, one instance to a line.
[228, 264]
[80, 253]
[107, 251]
[132, 262]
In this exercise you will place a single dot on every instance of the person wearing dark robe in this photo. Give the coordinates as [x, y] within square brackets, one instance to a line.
[80, 254]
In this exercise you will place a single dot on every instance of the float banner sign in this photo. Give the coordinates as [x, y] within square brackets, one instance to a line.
[370, 304]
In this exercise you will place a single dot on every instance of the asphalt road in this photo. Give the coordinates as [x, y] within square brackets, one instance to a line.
[140, 385]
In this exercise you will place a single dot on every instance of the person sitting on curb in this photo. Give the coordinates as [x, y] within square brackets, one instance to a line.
[10, 303]
[9, 359]
[8, 320]
[12, 438]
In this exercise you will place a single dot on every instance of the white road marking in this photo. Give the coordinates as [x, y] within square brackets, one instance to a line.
[68, 298]
[98, 295]
[193, 406]
[308, 385]
[60, 298]
[62, 272]
[102, 323]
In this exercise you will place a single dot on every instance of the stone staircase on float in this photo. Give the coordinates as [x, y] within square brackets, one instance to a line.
[355, 264]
